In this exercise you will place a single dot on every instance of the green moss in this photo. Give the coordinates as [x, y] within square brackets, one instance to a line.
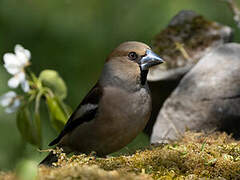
[193, 34]
[195, 156]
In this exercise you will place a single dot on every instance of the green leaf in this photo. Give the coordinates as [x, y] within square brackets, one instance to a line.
[57, 115]
[52, 80]
[30, 129]
[38, 129]
[66, 108]
[24, 123]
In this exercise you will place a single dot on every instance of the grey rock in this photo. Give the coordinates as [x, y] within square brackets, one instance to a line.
[198, 36]
[207, 98]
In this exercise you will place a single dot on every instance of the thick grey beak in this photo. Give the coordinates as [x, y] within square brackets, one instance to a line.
[149, 60]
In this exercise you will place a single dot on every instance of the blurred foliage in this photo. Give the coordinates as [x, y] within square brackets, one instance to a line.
[28, 126]
[74, 38]
[26, 170]
[51, 79]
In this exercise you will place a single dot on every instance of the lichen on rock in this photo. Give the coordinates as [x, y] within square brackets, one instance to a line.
[196, 34]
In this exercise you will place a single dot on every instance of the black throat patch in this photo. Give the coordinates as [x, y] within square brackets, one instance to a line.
[143, 76]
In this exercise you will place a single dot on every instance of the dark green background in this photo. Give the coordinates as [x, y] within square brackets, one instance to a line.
[74, 37]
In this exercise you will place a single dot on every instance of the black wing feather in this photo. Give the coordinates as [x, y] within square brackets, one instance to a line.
[93, 97]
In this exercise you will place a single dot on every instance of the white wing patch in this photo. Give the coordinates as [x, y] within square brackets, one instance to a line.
[84, 109]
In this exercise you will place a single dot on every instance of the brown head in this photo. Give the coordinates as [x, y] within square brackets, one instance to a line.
[130, 62]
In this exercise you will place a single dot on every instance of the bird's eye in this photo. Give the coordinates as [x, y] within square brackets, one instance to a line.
[132, 56]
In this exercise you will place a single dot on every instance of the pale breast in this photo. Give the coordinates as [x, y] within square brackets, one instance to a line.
[125, 115]
[121, 117]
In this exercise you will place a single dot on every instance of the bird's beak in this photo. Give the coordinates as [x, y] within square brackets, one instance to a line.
[149, 60]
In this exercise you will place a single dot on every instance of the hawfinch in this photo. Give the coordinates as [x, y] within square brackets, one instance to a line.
[116, 109]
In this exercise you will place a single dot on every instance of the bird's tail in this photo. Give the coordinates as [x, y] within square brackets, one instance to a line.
[51, 158]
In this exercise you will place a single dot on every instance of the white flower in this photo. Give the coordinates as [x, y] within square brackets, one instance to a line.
[10, 101]
[15, 64]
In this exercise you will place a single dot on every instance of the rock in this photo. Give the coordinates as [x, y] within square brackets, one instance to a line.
[195, 36]
[207, 98]
[187, 38]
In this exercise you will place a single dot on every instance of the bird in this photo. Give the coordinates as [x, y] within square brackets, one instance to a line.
[116, 109]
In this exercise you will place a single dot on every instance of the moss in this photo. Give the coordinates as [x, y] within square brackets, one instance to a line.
[195, 156]
[195, 34]
[87, 173]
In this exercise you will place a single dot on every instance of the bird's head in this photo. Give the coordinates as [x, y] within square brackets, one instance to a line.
[129, 63]
[135, 52]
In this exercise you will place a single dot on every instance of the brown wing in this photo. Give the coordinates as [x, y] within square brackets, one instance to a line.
[92, 98]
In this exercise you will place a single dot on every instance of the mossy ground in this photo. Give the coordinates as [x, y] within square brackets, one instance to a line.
[195, 156]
